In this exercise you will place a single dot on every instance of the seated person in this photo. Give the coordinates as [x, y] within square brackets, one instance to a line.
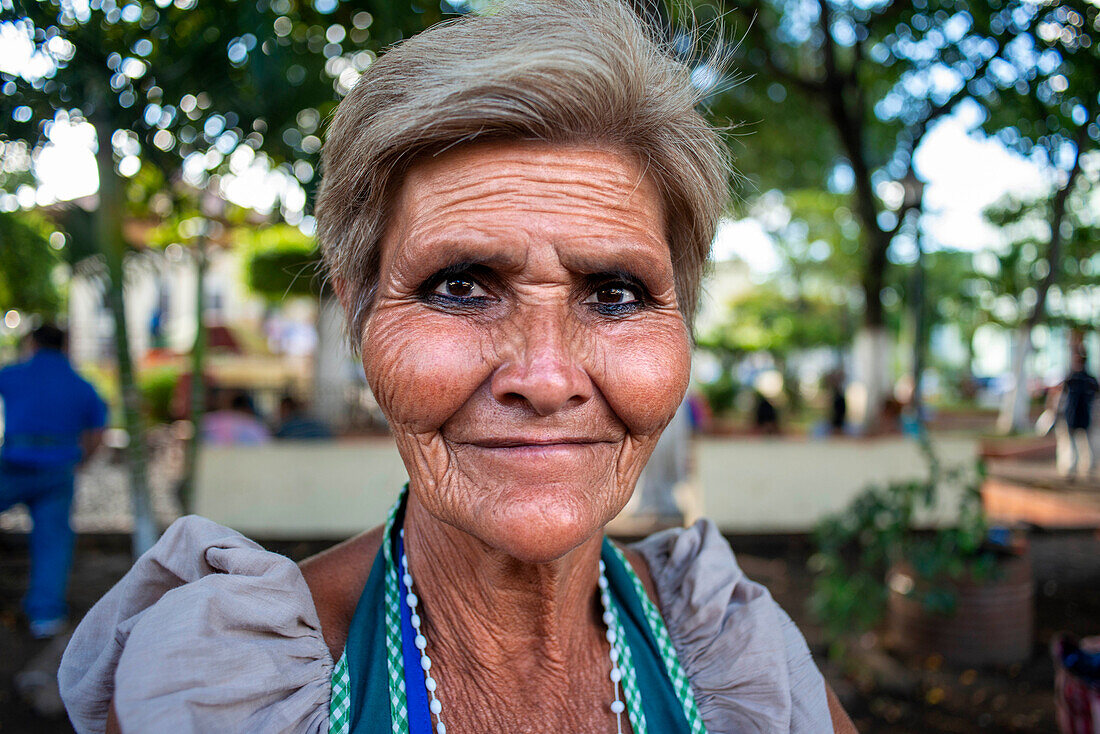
[234, 421]
[296, 424]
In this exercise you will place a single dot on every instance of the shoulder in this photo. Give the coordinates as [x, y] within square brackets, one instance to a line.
[85, 385]
[8, 371]
[336, 578]
[207, 632]
[748, 664]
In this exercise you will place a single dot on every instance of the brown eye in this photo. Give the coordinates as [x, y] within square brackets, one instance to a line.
[460, 288]
[612, 295]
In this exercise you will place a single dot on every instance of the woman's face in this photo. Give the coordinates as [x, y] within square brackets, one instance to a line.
[525, 341]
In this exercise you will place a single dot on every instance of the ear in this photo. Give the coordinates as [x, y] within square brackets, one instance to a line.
[343, 292]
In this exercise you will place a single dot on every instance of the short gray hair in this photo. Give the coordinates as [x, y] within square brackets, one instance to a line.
[560, 71]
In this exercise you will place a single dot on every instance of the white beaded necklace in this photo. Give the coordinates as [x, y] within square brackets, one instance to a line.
[434, 705]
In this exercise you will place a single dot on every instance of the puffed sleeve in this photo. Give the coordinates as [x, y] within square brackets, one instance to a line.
[749, 666]
[207, 632]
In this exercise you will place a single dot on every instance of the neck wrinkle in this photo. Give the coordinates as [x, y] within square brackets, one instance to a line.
[486, 611]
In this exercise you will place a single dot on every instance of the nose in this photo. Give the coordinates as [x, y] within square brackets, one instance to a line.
[544, 370]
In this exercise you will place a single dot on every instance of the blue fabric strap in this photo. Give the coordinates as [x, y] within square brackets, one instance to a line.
[420, 718]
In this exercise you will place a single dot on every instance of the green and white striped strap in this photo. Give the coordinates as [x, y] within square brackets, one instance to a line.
[631, 693]
[395, 661]
[680, 683]
[340, 699]
[339, 705]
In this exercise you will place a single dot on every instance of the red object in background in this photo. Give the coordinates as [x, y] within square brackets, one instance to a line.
[1077, 701]
[180, 407]
[220, 338]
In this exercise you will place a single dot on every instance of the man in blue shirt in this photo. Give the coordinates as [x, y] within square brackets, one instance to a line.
[53, 421]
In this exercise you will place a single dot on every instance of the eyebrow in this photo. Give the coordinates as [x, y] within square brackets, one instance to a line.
[448, 251]
[629, 256]
[625, 255]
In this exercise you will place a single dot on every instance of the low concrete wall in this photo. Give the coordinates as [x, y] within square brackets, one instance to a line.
[750, 485]
[760, 485]
[300, 489]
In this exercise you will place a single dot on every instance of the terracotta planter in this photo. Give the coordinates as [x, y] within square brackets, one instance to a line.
[992, 623]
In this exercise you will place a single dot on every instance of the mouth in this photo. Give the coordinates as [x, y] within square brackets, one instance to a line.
[535, 443]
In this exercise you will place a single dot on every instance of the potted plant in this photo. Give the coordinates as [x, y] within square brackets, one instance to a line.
[958, 590]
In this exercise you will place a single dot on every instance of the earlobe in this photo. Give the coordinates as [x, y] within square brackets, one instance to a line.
[340, 286]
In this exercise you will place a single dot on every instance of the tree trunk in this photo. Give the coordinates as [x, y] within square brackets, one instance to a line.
[197, 401]
[1014, 416]
[109, 216]
[871, 373]
[920, 337]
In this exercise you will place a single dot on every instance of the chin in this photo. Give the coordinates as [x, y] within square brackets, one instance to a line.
[541, 524]
[532, 541]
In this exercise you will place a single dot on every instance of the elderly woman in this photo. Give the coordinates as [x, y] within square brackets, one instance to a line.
[516, 211]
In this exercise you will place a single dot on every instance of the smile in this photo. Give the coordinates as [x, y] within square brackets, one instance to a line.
[532, 443]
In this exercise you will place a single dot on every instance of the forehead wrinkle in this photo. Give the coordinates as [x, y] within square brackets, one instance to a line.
[616, 185]
[607, 205]
[595, 212]
[553, 214]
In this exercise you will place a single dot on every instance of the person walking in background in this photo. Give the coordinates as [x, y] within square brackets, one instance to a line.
[53, 422]
[1078, 390]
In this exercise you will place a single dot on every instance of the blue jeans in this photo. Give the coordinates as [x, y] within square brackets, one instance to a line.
[48, 494]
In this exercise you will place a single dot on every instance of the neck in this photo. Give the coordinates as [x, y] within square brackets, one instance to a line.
[515, 646]
[492, 609]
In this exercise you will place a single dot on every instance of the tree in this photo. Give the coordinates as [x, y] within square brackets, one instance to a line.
[1041, 101]
[28, 258]
[846, 93]
[806, 303]
[183, 88]
[1014, 274]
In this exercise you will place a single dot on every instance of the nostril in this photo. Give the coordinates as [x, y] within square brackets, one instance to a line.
[543, 391]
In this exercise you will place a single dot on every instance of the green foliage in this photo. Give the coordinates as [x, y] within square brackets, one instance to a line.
[769, 320]
[158, 386]
[857, 546]
[842, 95]
[1011, 274]
[721, 395]
[27, 264]
[1043, 98]
[201, 77]
[280, 261]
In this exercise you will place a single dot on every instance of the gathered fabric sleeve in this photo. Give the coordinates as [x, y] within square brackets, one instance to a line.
[208, 632]
[749, 666]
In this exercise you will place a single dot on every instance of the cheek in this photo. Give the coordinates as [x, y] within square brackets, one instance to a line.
[421, 369]
[644, 375]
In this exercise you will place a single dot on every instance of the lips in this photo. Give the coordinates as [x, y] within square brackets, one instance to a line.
[540, 442]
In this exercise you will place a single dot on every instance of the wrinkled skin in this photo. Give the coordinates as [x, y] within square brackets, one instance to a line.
[524, 359]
